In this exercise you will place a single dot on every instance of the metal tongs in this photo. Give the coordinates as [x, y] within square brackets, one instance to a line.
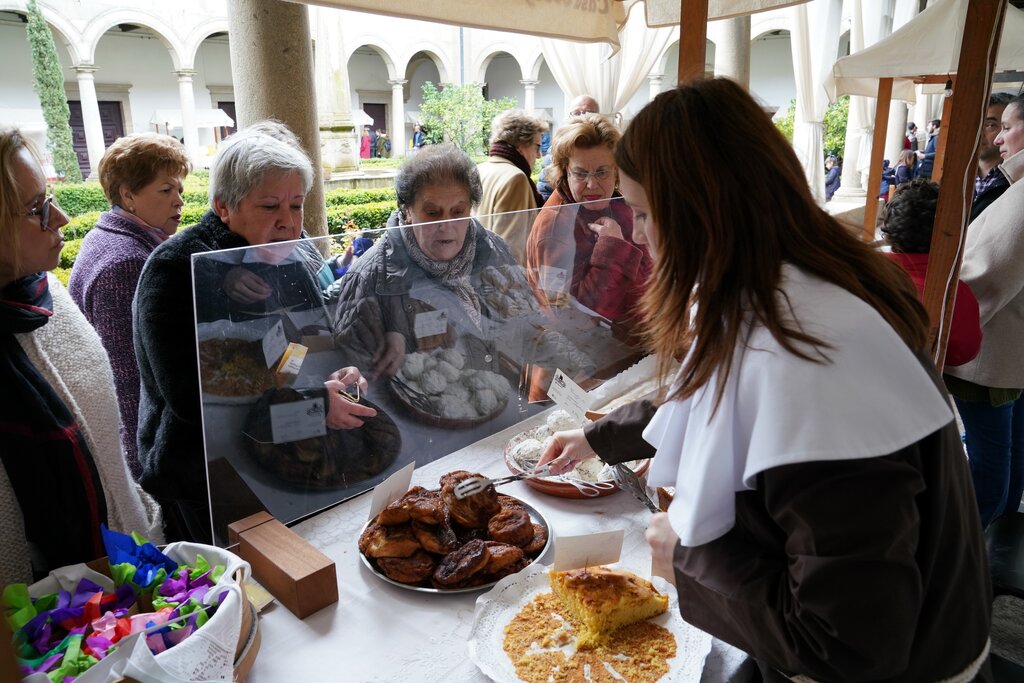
[628, 481]
[474, 485]
[412, 397]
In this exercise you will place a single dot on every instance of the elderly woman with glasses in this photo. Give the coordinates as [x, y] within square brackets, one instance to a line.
[142, 177]
[258, 184]
[61, 469]
[587, 251]
[506, 177]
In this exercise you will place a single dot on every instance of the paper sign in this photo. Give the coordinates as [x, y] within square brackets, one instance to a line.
[568, 395]
[298, 420]
[291, 361]
[274, 344]
[588, 550]
[554, 280]
[430, 324]
[391, 489]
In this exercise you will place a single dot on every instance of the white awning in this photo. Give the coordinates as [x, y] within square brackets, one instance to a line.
[361, 118]
[205, 118]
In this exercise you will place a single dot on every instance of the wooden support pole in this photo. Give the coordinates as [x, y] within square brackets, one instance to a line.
[940, 144]
[983, 27]
[877, 153]
[693, 39]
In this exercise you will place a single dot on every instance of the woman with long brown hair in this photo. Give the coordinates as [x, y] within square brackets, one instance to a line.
[823, 520]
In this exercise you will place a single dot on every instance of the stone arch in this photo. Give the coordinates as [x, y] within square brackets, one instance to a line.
[66, 32]
[389, 62]
[196, 37]
[662, 64]
[446, 72]
[164, 32]
[766, 22]
[492, 52]
[538, 62]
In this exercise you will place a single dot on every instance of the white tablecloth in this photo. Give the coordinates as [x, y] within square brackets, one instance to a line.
[380, 632]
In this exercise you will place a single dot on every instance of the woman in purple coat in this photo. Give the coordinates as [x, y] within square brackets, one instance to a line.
[142, 177]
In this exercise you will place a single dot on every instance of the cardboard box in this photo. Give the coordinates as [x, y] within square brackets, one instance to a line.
[301, 577]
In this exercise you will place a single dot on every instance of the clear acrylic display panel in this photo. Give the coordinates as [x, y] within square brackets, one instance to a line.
[511, 328]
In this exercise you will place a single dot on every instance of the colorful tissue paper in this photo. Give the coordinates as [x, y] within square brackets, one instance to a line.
[135, 560]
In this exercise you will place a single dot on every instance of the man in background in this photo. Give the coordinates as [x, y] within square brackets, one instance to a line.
[990, 182]
[926, 159]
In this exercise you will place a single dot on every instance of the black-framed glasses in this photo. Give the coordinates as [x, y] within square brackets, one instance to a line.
[44, 212]
[600, 175]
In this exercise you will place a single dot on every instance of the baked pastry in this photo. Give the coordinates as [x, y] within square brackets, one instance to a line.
[436, 538]
[473, 511]
[418, 504]
[540, 539]
[601, 600]
[458, 566]
[388, 541]
[512, 526]
[412, 569]
[501, 556]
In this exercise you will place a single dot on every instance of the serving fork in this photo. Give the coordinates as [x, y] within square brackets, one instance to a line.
[474, 485]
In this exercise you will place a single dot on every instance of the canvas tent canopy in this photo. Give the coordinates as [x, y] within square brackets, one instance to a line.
[205, 118]
[929, 45]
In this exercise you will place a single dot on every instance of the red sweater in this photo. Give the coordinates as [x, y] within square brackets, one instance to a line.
[965, 328]
[608, 275]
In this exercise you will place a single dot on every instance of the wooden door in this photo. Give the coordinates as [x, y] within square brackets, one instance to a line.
[111, 121]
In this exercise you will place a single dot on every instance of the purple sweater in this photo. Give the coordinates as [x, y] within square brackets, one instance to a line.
[102, 283]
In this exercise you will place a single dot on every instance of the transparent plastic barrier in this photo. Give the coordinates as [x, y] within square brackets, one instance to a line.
[471, 352]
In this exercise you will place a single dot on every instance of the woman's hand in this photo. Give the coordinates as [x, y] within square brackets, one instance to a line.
[341, 413]
[390, 356]
[567, 449]
[606, 227]
[662, 539]
[245, 287]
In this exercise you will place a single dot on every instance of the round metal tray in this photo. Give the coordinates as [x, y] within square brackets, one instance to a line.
[535, 515]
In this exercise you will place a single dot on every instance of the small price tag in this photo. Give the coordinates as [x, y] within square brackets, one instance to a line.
[430, 324]
[291, 361]
[554, 280]
[274, 344]
[298, 420]
[569, 396]
[391, 489]
[588, 550]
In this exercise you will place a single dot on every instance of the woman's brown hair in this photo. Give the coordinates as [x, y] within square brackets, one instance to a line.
[725, 228]
[133, 161]
[585, 131]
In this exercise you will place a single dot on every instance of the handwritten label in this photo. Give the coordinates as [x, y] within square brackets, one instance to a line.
[430, 324]
[274, 344]
[391, 489]
[568, 395]
[588, 550]
[298, 420]
[553, 280]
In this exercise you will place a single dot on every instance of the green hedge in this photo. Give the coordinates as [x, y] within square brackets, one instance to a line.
[346, 197]
[69, 253]
[81, 224]
[78, 198]
[364, 216]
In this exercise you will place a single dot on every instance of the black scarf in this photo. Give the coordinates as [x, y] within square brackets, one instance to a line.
[510, 153]
[41, 445]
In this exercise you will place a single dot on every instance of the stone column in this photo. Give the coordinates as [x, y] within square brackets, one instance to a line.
[732, 53]
[858, 124]
[397, 132]
[90, 115]
[189, 130]
[272, 70]
[338, 139]
[529, 93]
[654, 85]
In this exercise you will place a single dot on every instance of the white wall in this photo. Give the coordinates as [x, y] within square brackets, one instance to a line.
[771, 70]
[503, 76]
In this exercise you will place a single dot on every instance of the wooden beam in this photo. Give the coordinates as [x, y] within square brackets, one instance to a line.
[983, 26]
[693, 39]
[937, 79]
[940, 144]
[882, 102]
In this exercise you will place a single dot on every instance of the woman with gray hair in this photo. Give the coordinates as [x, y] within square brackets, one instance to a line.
[506, 177]
[419, 285]
[258, 184]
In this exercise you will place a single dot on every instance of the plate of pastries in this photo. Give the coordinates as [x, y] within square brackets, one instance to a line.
[428, 540]
[595, 624]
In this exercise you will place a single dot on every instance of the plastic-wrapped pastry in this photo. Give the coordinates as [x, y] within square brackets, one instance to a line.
[527, 453]
[485, 402]
[433, 382]
[414, 365]
[458, 390]
[560, 421]
[456, 409]
[453, 357]
[450, 372]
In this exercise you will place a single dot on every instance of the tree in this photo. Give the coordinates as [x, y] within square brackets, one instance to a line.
[49, 85]
[459, 114]
[834, 134]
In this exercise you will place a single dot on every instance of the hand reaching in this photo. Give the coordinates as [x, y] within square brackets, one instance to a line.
[245, 287]
[567, 449]
[341, 413]
[390, 356]
[606, 226]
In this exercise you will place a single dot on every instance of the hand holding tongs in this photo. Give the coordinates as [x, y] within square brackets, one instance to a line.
[627, 480]
[474, 485]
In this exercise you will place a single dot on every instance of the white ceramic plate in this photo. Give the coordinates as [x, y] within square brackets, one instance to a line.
[495, 609]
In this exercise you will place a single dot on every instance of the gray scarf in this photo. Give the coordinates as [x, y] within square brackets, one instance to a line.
[453, 274]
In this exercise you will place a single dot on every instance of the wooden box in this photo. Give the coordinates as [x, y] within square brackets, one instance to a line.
[301, 577]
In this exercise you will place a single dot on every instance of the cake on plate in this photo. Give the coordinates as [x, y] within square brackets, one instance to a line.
[602, 600]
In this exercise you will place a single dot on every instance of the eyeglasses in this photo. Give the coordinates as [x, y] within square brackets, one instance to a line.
[599, 175]
[43, 211]
[581, 112]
